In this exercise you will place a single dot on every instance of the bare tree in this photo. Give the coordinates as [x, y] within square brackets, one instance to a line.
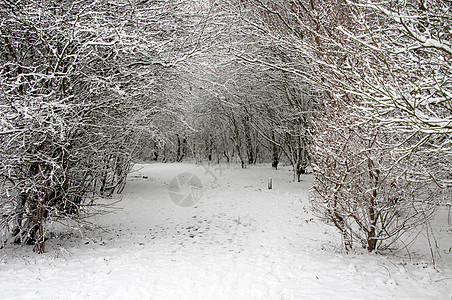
[385, 66]
[78, 85]
[371, 192]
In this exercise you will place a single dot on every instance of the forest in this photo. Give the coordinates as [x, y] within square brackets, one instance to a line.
[356, 92]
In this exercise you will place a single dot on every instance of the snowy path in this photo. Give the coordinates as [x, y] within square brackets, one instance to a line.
[240, 241]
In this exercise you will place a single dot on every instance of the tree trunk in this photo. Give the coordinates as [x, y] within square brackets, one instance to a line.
[248, 140]
[39, 235]
[180, 153]
[225, 153]
[373, 217]
[275, 150]
[299, 170]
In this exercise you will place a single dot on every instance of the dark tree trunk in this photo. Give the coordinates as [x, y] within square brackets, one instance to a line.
[248, 140]
[39, 234]
[275, 150]
[225, 153]
[250, 157]
[180, 149]
[300, 170]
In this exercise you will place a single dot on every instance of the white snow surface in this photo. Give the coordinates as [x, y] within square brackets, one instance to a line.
[240, 241]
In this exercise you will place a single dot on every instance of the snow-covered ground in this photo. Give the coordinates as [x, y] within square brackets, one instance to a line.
[240, 241]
